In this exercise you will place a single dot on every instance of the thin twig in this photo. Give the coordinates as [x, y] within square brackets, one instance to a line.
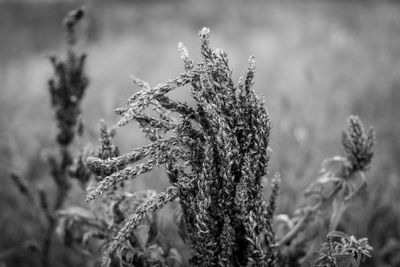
[308, 213]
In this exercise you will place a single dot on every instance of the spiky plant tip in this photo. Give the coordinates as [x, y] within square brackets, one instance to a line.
[184, 51]
[107, 149]
[252, 63]
[69, 83]
[204, 33]
[188, 63]
[70, 23]
[358, 144]
[152, 205]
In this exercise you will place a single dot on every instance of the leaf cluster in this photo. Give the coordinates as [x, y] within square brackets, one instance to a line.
[343, 250]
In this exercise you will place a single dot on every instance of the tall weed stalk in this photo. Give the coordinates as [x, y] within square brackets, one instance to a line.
[66, 88]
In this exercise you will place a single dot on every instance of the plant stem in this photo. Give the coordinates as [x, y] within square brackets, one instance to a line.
[62, 184]
[308, 213]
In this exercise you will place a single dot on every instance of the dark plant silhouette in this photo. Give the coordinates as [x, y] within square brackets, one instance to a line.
[67, 88]
[219, 153]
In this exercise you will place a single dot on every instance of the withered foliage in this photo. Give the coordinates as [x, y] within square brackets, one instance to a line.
[218, 153]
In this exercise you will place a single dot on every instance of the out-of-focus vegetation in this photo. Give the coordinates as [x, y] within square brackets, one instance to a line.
[317, 62]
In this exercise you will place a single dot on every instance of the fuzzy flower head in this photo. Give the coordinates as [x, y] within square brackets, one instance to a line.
[358, 144]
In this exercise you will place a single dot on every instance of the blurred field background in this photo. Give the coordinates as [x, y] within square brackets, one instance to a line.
[317, 63]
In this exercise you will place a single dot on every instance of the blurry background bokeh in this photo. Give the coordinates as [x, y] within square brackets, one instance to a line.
[317, 62]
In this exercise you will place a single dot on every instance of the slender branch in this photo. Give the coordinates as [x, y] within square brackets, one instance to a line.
[62, 184]
[308, 213]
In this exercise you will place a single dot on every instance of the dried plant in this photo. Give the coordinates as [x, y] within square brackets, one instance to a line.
[340, 180]
[67, 88]
[86, 230]
[69, 83]
[343, 250]
[215, 153]
[218, 154]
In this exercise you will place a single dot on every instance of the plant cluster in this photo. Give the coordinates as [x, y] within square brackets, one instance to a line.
[216, 154]
[343, 250]
[87, 230]
[341, 178]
